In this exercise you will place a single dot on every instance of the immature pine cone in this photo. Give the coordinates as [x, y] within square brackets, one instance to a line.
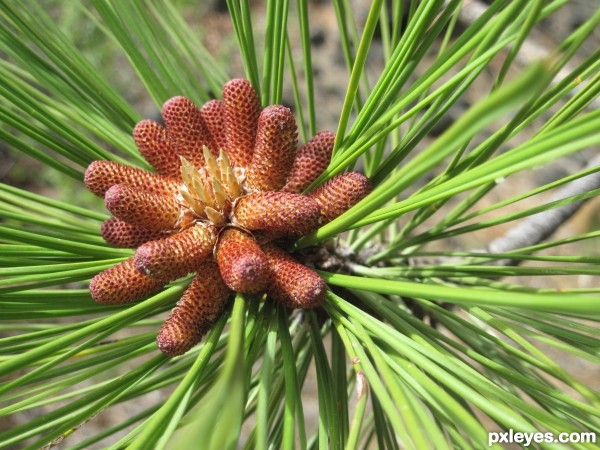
[226, 194]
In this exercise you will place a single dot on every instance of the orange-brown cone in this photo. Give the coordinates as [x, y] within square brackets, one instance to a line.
[293, 284]
[100, 176]
[177, 255]
[213, 114]
[121, 234]
[143, 209]
[123, 284]
[311, 160]
[200, 306]
[243, 265]
[340, 193]
[275, 149]
[186, 129]
[279, 214]
[242, 108]
[154, 145]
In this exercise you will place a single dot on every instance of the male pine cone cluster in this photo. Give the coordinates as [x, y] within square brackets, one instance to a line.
[225, 196]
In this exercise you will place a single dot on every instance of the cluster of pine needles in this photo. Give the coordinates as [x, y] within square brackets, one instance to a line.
[414, 334]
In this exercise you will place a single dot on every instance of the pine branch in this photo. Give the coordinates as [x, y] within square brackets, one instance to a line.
[540, 227]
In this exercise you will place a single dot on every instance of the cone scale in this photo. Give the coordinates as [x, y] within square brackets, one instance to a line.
[123, 284]
[279, 214]
[177, 255]
[200, 306]
[242, 263]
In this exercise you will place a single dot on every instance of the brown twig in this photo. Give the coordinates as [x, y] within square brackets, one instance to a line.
[540, 227]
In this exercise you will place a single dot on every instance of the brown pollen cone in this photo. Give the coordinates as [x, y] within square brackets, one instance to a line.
[340, 194]
[154, 145]
[186, 129]
[213, 114]
[144, 209]
[227, 193]
[243, 265]
[275, 149]
[123, 235]
[293, 284]
[279, 214]
[242, 108]
[177, 255]
[200, 306]
[123, 284]
[311, 160]
[100, 176]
